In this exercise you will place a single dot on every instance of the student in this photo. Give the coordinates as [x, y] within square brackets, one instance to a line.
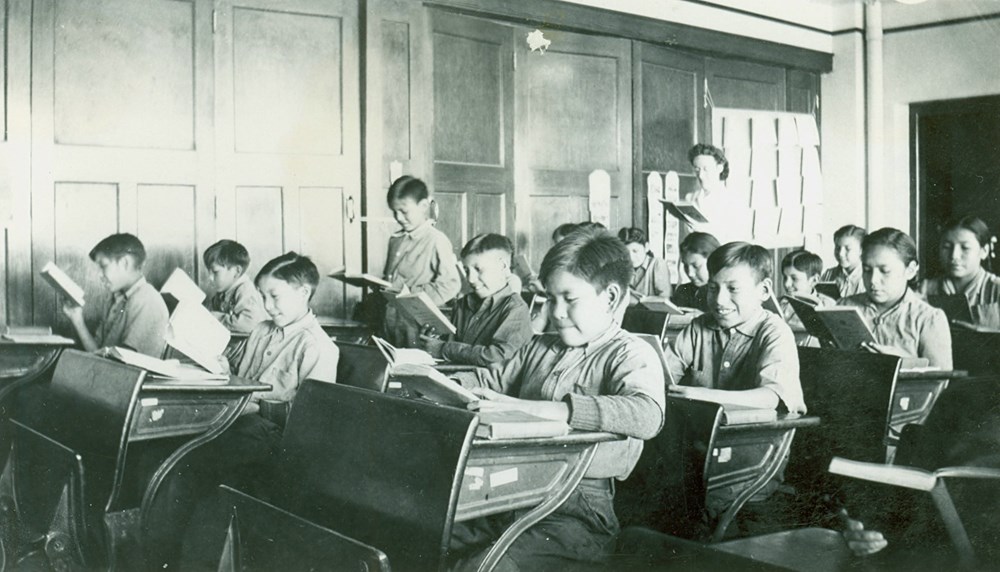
[591, 374]
[650, 275]
[903, 324]
[695, 250]
[492, 320]
[281, 352]
[137, 315]
[847, 250]
[800, 270]
[562, 231]
[236, 302]
[420, 257]
[964, 246]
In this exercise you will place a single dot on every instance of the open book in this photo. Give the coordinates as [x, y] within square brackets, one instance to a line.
[662, 305]
[399, 356]
[431, 384]
[420, 309]
[182, 288]
[828, 289]
[772, 305]
[172, 369]
[62, 283]
[360, 279]
[955, 306]
[35, 335]
[195, 332]
[517, 425]
[838, 326]
[685, 211]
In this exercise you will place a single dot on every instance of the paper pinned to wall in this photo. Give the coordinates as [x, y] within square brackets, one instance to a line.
[788, 132]
[672, 232]
[762, 129]
[740, 191]
[808, 133]
[600, 197]
[395, 171]
[789, 191]
[765, 224]
[736, 132]
[654, 192]
[790, 226]
[764, 163]
[763, 195]
[739, 162]
[789, 161]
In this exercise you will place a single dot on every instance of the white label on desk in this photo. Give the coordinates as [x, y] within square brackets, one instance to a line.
[904, 403]
[504, 477]
[149, 402]
[395, 385]
[725, 454]
[474, 478]
[156, 414]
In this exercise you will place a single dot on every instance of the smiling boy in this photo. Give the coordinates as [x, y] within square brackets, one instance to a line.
[137, 317]
[592, 375]
[492, 321]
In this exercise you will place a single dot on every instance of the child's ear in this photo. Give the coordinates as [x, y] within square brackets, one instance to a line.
[766, 288]
[614, 291]
[911, 270]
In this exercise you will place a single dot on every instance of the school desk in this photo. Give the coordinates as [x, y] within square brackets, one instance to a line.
[915, 395]
[508, 474]
[73, 475]
[344, 330]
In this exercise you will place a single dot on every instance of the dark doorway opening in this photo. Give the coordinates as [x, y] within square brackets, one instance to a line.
[955, 145]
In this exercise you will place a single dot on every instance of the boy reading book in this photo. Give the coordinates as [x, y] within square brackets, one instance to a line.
[591, 374]
[650, 274]
[136, 317]
[236, 302]
[695, 250]
[492, 321]
[801, 270]
[847, 273]
[281, 352]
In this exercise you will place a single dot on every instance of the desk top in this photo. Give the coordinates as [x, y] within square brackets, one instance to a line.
[932, 374]
[235, 384]
[786, 421]
[573, 438]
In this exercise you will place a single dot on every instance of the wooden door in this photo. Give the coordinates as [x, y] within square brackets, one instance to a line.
[121, 131]
[574, 115]
[473, 127]
[288, 139]
[743, 85]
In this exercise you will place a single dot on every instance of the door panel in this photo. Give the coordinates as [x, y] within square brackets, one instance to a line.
[574, 115]
[743, 85]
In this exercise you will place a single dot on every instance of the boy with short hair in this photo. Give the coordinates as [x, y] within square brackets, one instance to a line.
[737, 352]
[236, 303]
[137, 316]
[591, 374]
[492, 321]
[801, 270]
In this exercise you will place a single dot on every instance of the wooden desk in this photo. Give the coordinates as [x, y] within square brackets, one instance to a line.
[509, 474]
[344, 330]
[915, 395]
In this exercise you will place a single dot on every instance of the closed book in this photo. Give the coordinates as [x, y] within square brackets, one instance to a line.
[517, 425]
[360, 279]
[955, 306]
[846, 325]
[62, 283]
[741, 414]
[685, 211]
[661, 304]
[419, 307]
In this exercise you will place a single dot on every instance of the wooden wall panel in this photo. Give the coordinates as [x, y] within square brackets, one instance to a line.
[107, 92]
[396, 132]
[488, 214]
[743, 85]
[4, 27]
[165, 222]
[295, 107]
[260, 222]
[453, 218]
[324, 243]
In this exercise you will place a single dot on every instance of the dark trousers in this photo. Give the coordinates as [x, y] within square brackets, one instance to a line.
[242, 453]
[584, 528]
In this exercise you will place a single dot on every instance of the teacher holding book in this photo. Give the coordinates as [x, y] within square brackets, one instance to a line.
[711, 169]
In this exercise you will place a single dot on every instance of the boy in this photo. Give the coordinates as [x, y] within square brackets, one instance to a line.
[801, 270]
[591, 374]
[236, 302]
[847, 250]
[492, 320]
[695, 250]
[137, 315]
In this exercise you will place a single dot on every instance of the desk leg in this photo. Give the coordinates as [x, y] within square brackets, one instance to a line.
[535, 515]
[164, 469]
[727, 517]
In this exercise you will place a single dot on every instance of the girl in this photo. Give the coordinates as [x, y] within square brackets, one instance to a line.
[903, 324]
[420, 257]
[847, 250]
[695, 250]
[965, 244]
[650, 275]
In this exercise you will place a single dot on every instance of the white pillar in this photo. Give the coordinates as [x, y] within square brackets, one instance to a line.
[874, 96]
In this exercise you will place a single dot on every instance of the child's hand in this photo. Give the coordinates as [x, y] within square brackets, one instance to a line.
[862, 542]
[490, 400]
[431, 344]
[883, 349]
[73, 312]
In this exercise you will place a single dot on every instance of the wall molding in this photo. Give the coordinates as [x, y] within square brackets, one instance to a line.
[943, 23]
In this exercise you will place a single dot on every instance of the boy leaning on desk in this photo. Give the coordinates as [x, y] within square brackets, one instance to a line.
[592, 375]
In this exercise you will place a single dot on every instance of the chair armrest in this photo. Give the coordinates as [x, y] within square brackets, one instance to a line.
[917, 479]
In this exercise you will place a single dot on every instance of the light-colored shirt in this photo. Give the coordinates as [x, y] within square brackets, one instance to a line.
[240, 306]
[983, 293]
[912, 325]
[284, 357]
[489, 330]
[614, 383]
[137, 318]
[727, 220]
[849, 284]
[760, 352]
[652, 278]
[423, 260]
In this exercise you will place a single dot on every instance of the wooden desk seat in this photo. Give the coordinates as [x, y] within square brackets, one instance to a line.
[262, 537]
[383, 470]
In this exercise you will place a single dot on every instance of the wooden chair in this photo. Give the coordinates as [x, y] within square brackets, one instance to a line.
[262, 537]
[384, 470]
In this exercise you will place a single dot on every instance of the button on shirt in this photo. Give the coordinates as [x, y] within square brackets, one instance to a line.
[489, 330]
[615, 383]
[241, 306]
[912, 325]
[136, 318]
[284, 357]
[760, 352]
[423, 260]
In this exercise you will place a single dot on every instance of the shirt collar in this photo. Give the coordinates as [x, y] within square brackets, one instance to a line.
[475, 302]
[599, 341]
[131, 290]
[420, 230]
[748, 328]
[243, 279]
[907, 298]
[647, 261]
[301, 324]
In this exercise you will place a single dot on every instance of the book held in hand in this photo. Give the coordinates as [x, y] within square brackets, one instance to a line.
[431, 384]
[419, 307]
[955, 306]
[62, 283]
[838, 326]
[398, 356]
[829, 289]
[360, 279]
[517, 425]
[685, 211]
[171, 369]
[182, 287]
[195, 332]
[662, 305]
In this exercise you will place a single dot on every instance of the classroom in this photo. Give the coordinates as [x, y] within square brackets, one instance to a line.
[500, 284]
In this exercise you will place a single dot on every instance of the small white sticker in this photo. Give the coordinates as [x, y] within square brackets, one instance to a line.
[725, 454]
[503, 477]
[474, 478]
[904, 403]
[156, 414]
[395, 385]
[475, 471]
[149, 402]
